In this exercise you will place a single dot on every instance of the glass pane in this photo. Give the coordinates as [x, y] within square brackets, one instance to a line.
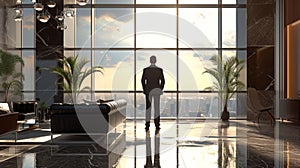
[192, 64]
[69, 33]
[114, 27]
[193, 105]
[198, 27]
[71, 53]
[85, 55]
[15, 29]
[241, 27]
[156, 1]
[87, 83]
[167, 105]
[227, 54]
[28, 28]
[241, 1]
[229, 1]
[68, 2]
[232, 106]
[198, 1]
[83, 27]
[27, 2]
[28, 97]
[229, 28]
[10, 77]
[241, 99]
[28, 70]
[156, 28]
[67, 98]
[118, 71]
[242, 55]
[141, 106]
[129, 97]
[165, 59]
[73, 2]
[113, 1]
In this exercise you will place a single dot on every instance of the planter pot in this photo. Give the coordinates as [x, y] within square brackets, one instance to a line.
[225, 114]
[43, 115]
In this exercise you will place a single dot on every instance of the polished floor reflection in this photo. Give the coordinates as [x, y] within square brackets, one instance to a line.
[184, 144]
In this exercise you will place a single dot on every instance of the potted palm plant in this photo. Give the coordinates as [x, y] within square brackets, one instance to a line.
[73, 73]
[227, 80]
[11, 80]
[43, 112]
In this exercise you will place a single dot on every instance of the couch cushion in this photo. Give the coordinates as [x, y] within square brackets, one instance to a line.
[79, 108]
[4, 108]
[24, 106]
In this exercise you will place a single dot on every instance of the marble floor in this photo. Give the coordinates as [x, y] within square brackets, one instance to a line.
[183, 144]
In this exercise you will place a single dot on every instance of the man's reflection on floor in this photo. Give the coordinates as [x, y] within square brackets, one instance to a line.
[156, 163]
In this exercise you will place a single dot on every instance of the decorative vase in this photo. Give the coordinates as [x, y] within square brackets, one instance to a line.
[225, 114]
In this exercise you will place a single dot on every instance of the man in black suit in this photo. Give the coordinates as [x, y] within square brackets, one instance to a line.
[153, 82]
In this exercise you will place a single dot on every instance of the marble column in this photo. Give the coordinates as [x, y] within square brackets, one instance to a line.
[49, 48]
[260, 45]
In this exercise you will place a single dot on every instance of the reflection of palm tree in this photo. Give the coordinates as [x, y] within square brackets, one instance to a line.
[156, 151]
[225, 153]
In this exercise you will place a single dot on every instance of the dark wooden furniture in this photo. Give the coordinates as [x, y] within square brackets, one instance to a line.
[8, 123]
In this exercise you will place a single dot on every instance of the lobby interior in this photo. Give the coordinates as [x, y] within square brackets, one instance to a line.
[120, 36]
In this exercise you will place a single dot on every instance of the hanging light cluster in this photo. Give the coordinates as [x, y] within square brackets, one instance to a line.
[43, 15]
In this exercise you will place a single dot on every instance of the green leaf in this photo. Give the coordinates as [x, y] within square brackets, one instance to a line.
[227, 76]
[74, 72]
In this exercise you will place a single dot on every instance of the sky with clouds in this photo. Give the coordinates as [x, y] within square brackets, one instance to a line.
[156, 28]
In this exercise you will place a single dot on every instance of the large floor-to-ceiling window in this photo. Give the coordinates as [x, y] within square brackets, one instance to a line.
[183, 34]
[20, 40]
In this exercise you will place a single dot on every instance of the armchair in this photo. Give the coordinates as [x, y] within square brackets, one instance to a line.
[255, 106]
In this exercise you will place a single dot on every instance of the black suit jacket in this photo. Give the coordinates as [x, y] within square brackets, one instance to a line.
[153, 80]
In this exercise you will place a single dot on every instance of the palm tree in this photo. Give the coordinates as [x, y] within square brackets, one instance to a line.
[227, 79]
[10, 79]
[73, 74]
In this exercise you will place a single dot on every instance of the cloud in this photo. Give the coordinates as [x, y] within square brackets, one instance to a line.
[112, 59]
[86, 19]
[121, 15]
[108, 24]
[28, 22]
[110, 31]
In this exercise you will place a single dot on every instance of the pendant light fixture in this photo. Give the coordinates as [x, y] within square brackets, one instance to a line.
[82, 2]
[38, 6]
[51, 4]
[44, 16]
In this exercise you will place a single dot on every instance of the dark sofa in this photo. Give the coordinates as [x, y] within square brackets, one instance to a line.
[26, 109]
[87, 118]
